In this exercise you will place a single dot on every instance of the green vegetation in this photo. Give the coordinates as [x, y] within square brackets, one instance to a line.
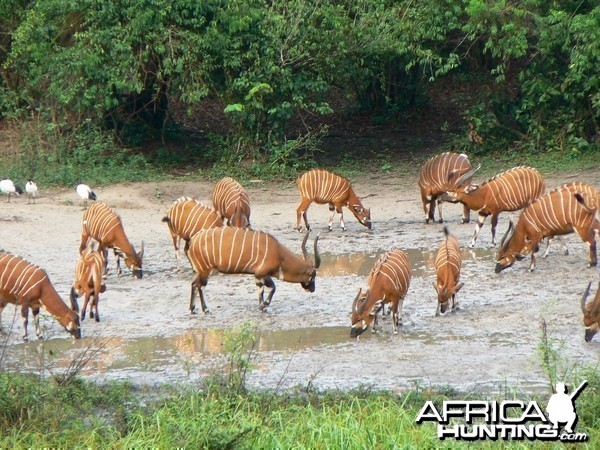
[553, 163]
[87, 154]
[104, 90]
[67, 412]
[37, 413]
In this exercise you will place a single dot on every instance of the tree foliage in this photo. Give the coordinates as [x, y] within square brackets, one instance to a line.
[118, 65]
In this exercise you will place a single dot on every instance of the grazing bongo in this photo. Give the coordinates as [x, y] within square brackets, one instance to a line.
[447, 267]
[241, 250]
[185, 218]
[29, 287]
[104, 225]
[89, 281]
[509, 191]
[322, 187]
[591, 313]
[590, 194]
[557, 213]
[231, 200]
[437, 177]
[388, 283]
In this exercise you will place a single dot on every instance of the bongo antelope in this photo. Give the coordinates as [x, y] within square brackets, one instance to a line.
[230, 199]
[447, 267]
[105, 226]
[321, 186]
[591, 196]
[591, 313]
[186, 216]
[89, 281]
[439, 175]
[559, 212]
[241, 250]
[29, 287]
[388, 283]
[509, 191]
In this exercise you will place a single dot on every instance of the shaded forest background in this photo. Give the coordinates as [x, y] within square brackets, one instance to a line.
[116, 90]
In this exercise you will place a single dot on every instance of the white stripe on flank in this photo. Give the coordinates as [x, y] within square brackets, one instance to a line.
[241, 251]
[24, 294]
[253, 245]
[265, 248]
[234, 245]
[5, 274]
[22, 273]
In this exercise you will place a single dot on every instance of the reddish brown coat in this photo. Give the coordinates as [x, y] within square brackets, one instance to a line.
[438, 175]
[231, 200]
[185, 218]
[447, 267]
[241, 250]
[89, 282]
[388, 283]
[105, 226]
[509, 191]
[591, 313]
[557, 213]
[29, 287]
[323, 187]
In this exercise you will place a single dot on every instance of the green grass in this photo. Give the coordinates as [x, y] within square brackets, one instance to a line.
[37, 413]
[215, 419]
[549, 164]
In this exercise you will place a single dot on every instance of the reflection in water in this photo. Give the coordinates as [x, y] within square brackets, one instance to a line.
[361, 263]
[119, 357]
[158, 357]
[156, 353]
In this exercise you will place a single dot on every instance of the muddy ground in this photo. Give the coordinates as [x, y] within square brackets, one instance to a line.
[148, 335]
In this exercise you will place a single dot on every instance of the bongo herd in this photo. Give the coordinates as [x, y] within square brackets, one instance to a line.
[220, 237]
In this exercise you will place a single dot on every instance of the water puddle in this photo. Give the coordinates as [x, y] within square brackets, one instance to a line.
[156, 351]
[125, 358]
[196, 346]
[422, 261]
[342, 264]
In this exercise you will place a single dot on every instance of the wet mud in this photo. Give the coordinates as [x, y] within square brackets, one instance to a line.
[147, 334]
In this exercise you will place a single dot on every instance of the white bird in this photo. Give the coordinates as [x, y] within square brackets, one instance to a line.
[86, 193]
[31, 189]
[8, 187]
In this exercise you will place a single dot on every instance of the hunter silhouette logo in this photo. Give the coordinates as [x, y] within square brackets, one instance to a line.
[561, 407]
[510, 419]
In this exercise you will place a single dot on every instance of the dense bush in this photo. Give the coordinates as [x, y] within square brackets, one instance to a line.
[119, 66]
